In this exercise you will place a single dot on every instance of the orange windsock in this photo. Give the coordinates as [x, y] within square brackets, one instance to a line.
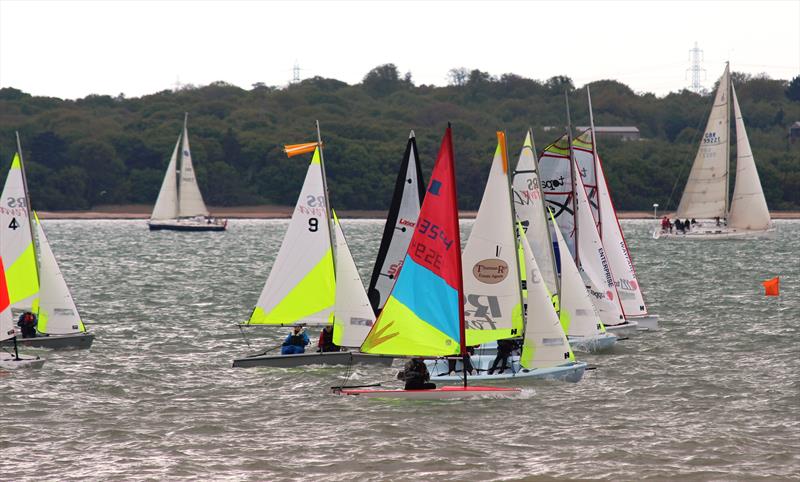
[292, 150]
[772, 286]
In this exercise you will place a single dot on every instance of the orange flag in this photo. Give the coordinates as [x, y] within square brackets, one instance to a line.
[772, 286]
[292, 150]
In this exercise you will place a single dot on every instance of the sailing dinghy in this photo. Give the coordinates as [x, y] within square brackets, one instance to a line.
[314, 281]
[424, 315]
[35, 281]
[705, 197]
[11, 361]
[180, 206]
[409, 191]
[495, 308]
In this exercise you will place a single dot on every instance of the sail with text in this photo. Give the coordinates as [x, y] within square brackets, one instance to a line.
[493, 301]
[583, 150]
[301, 286]
[16, 242]
[424, 313]
[556, 180]
[530, 207]
[7, 328]
[409, 190]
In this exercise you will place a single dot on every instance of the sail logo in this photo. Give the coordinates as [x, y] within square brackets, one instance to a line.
[435, 187]
[490, 271]
[600, 295]
[394, 269]
[553, 183]
[604, 262]
[406, 222]
[710, 138]
[360, 321]
[480, 312]
[627, 285]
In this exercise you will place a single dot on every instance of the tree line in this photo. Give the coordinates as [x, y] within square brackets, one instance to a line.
[114, 150]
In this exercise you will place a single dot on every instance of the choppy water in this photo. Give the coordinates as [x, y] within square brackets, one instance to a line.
[715, 394]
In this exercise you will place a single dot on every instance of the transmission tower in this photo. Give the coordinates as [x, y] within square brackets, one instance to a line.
[296, 73]
[696, 56]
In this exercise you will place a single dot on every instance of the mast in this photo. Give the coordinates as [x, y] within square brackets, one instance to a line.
[594, 164]
[27, 207]
[545, 213]
[179, 172]
[572, 176]
[327, 200]
[728, 141]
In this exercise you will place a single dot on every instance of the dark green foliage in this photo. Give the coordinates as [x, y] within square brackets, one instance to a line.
[107, 150]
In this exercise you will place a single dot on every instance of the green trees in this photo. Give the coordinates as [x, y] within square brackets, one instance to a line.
[105, 150]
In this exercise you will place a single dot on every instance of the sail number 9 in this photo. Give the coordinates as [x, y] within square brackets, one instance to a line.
[313, 225]
[434, 232]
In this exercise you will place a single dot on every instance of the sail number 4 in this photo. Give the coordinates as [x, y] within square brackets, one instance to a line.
[434, 232]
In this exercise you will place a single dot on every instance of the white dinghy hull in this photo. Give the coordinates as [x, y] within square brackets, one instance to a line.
[646, 322]
[443, 393]
[594, 344]
[569, 372]
[8, 362]
[628, 328]
[72, 341]
[305, 359]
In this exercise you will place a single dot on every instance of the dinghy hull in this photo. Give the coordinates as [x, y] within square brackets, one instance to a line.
[10, 363]
[628, 328]
[569, 372]
[72, 341]
[646, 322]
[595, 344]
[304, 359]
[443, 393]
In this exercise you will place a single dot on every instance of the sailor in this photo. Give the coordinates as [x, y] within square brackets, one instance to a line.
[686, 225]
[295, 342]
[665, 224]
[326, 340]
[416, 375]
[27, 322]
[679, 225]
[504, 349]
[451, 363]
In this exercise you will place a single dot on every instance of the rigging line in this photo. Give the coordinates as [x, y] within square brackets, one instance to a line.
[245, 337]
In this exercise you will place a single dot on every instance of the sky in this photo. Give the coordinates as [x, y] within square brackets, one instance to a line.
[70, 49]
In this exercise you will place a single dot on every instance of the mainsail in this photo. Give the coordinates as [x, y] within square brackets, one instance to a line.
[353, 315]
[16, 242]
[424, 313]
[493, 302]
[190, 201]
[409, 191]
[530, 209]
[57, 313]
[583, 150]
[706, 191]
[748, 207]
[556, 178]
[545, 344]
[301, 286]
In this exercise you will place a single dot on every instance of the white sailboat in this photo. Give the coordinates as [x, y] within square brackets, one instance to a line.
[705, 197]
[180, 206]
[494, 296]
[35, 282]
[309, 286]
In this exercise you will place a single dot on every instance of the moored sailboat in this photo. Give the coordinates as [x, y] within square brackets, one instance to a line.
[180, 206]
[705, 197]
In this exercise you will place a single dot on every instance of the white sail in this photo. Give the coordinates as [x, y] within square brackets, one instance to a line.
[545, 344]
[301, 285]
[190, 201]
[492, 297]
[16, 242]
[399, 229]
[556, 180]
[594, 263]
[583, 151]
[530, 209]
[706, 190]
[352, 313]
[579, 317]
[748, 207]
[57, 314]
[167, 202]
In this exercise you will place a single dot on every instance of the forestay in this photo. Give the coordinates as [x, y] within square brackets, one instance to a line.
[545, 344]
[190, 201]
[16, 242]
[556, 179]
[706, 190]
[748, 207]
[409, 191]
[352, 314]
[530, 210]
[423, 313]
[301, 285]
[57, 313]
[493, 301]
[594, 263]
[167, 202]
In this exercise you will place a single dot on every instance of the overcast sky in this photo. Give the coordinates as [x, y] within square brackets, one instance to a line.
[70, 49]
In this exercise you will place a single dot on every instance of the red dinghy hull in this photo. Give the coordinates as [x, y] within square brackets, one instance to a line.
[433, 394]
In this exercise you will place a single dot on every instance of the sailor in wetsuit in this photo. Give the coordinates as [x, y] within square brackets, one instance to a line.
[295, 342]
[416, 375]
[326, 340]
[27, 323]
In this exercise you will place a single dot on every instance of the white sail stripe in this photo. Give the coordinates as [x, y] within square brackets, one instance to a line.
[353, 314]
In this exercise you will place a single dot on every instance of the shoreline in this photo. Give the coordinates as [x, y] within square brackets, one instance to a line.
[137, 211]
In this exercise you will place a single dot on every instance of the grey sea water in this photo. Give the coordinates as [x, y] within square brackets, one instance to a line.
[713, 395]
